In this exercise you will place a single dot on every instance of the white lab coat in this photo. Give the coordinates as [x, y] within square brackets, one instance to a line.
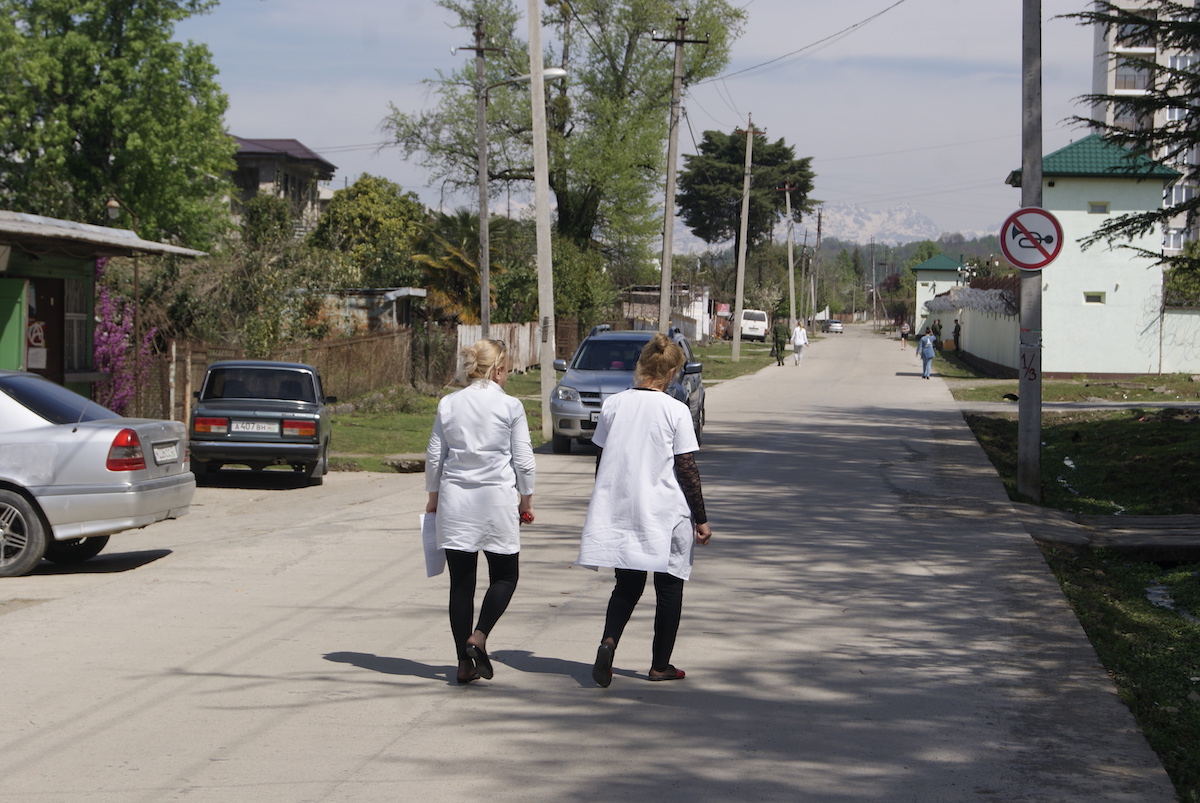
[479, 461]
[799, 337]
[638, 517]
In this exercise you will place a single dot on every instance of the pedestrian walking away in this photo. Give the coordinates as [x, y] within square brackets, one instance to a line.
[937, 334]
[479, 472]
[779, 338]
[925, 352]
[904, 330]
[647, 509]
[799, 341]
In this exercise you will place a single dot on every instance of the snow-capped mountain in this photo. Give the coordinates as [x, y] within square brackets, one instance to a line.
[854, 223]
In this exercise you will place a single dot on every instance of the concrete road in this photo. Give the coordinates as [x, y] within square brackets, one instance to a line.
[870, 623]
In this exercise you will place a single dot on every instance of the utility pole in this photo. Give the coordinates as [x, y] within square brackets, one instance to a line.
[485, 288]
[804, 279]
[786, 189]
[874, 292]
[741, 256]
[812, 271]
[668, 255]
[1029, 389]
[541, 196]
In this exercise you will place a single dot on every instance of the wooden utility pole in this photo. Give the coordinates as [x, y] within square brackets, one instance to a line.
[812, 270]
[485, 290]
[668, 252]
[1029, 389]
[874, 291]
[741, 256]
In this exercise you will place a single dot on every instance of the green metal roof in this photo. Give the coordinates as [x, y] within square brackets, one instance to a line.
[941, 262]
[1095, 157]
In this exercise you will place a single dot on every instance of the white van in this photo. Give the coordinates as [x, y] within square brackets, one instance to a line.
[754, 325]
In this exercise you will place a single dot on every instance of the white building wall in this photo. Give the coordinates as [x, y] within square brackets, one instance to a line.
[991, 337]
[1181, 342]
[1120, 333]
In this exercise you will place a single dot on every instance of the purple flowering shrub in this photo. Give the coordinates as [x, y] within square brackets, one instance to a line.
[112, 352]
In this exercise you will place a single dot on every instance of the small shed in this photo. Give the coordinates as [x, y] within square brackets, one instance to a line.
[48, 292]
[935, 276]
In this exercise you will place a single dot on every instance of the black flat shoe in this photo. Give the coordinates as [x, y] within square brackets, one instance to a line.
[483, 665]
[602, 670]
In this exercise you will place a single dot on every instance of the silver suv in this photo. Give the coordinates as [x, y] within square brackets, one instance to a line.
[603, 365]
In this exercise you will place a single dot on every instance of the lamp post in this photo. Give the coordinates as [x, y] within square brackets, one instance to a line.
[114, 207]
[481, 138]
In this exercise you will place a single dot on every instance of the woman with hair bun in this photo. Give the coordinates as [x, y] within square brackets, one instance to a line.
[647, 509]
[479, 473]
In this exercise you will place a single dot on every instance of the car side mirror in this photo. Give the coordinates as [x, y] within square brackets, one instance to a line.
[693, 367]
[196, 395]
[560, 365]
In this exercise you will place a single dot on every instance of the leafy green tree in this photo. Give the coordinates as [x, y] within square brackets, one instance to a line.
[96, 100]
[607, 124]
[710, 188]
[266, 220]
[373, 223]
[1173, 86]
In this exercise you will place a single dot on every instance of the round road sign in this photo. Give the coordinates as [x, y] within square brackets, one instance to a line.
[1031, 238]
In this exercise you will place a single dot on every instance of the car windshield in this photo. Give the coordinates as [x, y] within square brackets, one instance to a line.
[609, 355]
[52, 402]
[244, 382]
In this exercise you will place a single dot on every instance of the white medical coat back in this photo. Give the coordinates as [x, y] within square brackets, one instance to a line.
[638, 517]
[478, 460]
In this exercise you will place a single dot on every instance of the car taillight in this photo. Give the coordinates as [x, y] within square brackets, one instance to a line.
[300, 429]
[213, 426]
[125, 454]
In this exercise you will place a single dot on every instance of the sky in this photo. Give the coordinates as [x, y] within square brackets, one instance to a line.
[912, 102]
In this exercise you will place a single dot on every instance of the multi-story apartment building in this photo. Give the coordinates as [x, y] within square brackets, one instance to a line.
[1115, 72]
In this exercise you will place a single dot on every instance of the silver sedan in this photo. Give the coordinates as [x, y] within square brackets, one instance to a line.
[72, 473]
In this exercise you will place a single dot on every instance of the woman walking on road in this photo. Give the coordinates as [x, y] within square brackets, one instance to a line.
[647, 509]
[479, 472]
[904, 330]
[925, 352]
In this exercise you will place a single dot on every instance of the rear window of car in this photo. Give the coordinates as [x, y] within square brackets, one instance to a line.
[754, 315]
[609, 355]
[53, 402]
[259, 383]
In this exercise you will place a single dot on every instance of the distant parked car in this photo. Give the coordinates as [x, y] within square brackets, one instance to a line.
[258, 413]
[603, 365]
[72, 473]
[832, 325]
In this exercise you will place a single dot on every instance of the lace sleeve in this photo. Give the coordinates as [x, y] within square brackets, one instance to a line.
[689, 480]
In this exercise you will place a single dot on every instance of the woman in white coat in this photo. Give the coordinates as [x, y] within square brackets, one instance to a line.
[479, 473]
[647, 509]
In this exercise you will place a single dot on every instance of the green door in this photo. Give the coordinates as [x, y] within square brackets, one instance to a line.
[12, 324]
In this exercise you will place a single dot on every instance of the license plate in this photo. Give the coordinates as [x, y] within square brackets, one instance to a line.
[166, 454]
[595, 416]
[264, 427]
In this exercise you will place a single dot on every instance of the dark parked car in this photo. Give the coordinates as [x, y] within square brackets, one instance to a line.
[603, 365]
[259, 414]
[72, 473]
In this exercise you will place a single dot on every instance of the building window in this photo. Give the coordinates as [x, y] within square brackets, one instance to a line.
[1173, 239]
[1098, 207]
[1180, 194]
[1135, 34]
[1093, 298]
[1132, 76]
[77, 341]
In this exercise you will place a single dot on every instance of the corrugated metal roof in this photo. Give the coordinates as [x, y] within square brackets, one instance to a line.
[34, 232]
[940, 262]
[1095, 157]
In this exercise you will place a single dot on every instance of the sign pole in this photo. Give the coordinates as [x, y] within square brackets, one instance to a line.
[1029, 423]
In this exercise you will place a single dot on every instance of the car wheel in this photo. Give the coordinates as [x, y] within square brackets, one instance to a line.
[559, 444]
[22, 536]
[75, 550]
[315, 472]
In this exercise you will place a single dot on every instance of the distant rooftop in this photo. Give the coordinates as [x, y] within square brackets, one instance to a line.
[289, 149]
[1095, 157]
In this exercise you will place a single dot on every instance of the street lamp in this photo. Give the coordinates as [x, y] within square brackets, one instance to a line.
[114, 207]
[481, 103]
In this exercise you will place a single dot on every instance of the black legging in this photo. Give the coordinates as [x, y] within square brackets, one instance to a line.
[626, 593]
[503, 572]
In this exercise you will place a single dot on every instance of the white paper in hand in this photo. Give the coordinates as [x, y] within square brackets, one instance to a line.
[435, 559]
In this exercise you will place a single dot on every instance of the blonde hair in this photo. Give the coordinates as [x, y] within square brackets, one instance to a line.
[661, 359]
[480, 359]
